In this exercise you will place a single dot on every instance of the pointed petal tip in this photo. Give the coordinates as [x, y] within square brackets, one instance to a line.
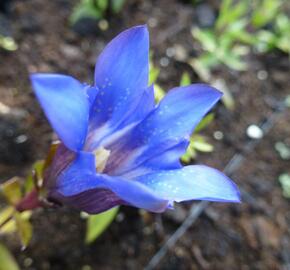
[210, 88]
[140, 30]
[236, 194]
[194, 182]
[141, 27]
[65, 105]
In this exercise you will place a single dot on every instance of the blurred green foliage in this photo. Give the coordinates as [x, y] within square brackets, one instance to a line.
[241, 26]
[283, 150]
[8, 262]
[10, 219]
[284, 180]
[97, 224]
[95, 9]
[8, 43]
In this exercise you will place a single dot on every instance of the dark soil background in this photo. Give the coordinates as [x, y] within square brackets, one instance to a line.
[251, 235]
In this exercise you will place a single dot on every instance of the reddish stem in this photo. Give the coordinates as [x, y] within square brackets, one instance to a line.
[29, 202]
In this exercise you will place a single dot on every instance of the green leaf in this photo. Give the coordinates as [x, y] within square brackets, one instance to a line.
[283, 150]
[153, 73]
[11, 226]
[265, 12]
[227, 97]
[37, 171]
[185, 79]
[87, 9]
[206, 38]
[11, 190]
[234, 61]
[117, 5]
[96, 224]
[202, 146]
[282, 24]
[5, 214]
[8, 262]
[8, 43]
[230, 12]
[284, 180]
[204, 122]
[190, 154]
[203, 64]
[159, 93]
[24, 227]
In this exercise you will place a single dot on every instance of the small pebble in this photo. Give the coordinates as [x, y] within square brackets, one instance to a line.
[255, 132]
[164, 62]
[152, 22]
[27, 262]
[21, 138]
[103, 24]
[120, 217]
[180, 53]
[218, 135]
[262, 75]
[4, 109]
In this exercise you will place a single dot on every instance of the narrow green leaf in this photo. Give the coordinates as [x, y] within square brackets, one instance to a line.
[206, 38]
[284, 180]
[86, 9]
[234, 61]
[96, 224]
[153, 73]
[185, 79]
[201, 68]
[8, 43]
[265, 12]
[190, 154]
[117, 5]
[11, 190]
[10, 226]
[202, 146]
[227, 98]
[159, 93]
[7, 261]
[5, 214]
[37, 169]
[204, 122]
[24, 228]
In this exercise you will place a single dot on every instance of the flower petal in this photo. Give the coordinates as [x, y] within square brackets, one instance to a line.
[65, 104]
[91, 93]
[195, 182]
[145, 105]
[169, 124]
[82, 183]
[121, 74]
[169, 160]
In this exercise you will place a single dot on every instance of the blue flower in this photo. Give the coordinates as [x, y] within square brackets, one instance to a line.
[117, 147]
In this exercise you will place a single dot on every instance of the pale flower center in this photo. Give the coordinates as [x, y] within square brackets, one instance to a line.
[101, 157]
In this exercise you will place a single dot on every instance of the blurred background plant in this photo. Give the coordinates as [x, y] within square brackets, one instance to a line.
[241, 26]
[6, 40]
[88, 13]
[7, 260]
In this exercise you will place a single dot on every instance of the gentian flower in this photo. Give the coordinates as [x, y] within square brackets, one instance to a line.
[118, 147]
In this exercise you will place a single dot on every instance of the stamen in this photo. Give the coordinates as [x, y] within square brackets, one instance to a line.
[101, 158]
